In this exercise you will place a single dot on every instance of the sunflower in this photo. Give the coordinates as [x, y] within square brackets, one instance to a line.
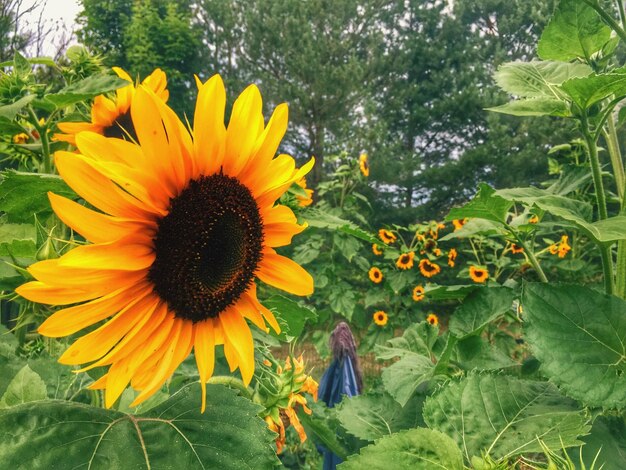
[452, 254]
[516, 249]
[564, 247]
[432, 319]
[437, 252]
[405, 260]
[380, 318]
[377, 250]
[458, 223]
[533, 220]
[363, 165]
[553, 249]
[20, 138]
[111, 117]
[387, 236]
[429, 269]
[477, 274]
[376, 275]
[175, 253]
[304, 201]
[418, 293]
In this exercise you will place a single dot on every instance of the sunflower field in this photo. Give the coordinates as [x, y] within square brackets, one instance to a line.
[187, 283]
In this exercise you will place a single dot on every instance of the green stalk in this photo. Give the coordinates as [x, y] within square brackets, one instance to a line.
[529, 253]
[607, 18]
[596, 173]
[231, 382]
[622, 14]
[610, 135]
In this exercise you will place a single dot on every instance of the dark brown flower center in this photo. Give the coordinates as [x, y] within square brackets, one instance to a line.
[207, 247]
[122, 128]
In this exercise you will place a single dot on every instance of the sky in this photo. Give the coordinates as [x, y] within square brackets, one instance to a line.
[59, 15]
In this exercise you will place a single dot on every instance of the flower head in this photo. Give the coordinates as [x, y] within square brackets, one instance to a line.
[418, 293]
[458, 223]
[533, 219]
[364, 165]
[304, 201]
[405, 260]
[112, 117]
[380, 318]
[387, 236]
[376, 275]
[20, 138]
[564, 247]
[377, 250]
[479, 275]
[452, 254]
[516, 249]
[175, 254]
[432, 319]
[428, 268]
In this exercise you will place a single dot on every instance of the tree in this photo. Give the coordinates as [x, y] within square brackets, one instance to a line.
[12, 37]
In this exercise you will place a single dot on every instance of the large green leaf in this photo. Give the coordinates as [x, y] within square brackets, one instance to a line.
[418, 338]
[537, 78]
[475, 227]
[403, 378]
[574, 31]
[485, 205]
[9, 111]
[459, 292]
[376, 415]
[229, 435]
[319, 219]
[475, 352]
[579, 336]
[503, 416]
[415, 449]
[18, 240]
[587, 91]
[25, 194]
[481, 307]
[533, 107]
[291, 315]
[25, 387]
[85, 89]
[608, 437]
[323, 427]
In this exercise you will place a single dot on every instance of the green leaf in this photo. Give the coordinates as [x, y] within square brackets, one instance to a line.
[18, 240]
[475, 227]
[403, 378]
[608, 437]
[415, 449]
[25, 194]
[342, 300]
[229, 435]
[538, 78]
[533, 107]
[418, 338]
[398, 280]
[575, 31]
[375, 415]
[9, 111]
[85, 89]
[25, 387]
[587, 91]
[474, 352]
[579, 336]
[485, 205]
[319, 426]
[570, 180]
[459, 292]
[503, 416]
[481, 307]
[291, 315]
[319, 219]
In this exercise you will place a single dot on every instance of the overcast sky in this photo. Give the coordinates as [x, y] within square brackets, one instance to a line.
[56, 14]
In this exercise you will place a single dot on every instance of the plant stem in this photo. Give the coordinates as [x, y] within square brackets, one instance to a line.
[610, 135]
[607, 18]
[231, 382]
[622, 15]
[529, 253]
[45, 144]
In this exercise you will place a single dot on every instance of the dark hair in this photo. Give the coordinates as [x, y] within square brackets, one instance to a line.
[343, 346]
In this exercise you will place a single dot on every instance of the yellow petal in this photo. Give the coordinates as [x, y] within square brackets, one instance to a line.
[129, 254]
[204, 350]
[250, 295]
[238, 335]
[285, 274]
[209, 132]
[273, 193]
[280, 225]
[42, 293]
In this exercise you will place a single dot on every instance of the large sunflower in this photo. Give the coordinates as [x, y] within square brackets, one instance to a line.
[111, 117]
[187, 223]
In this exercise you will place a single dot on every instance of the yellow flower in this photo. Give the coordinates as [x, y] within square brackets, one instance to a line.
[437, 252]
[376, 275]
[533, 220]
[564, 247]
[380, 318]
[515, 249]
[112, 117]
[364, 165]
[304, 201]
[432, 319]
[458, 223]
[429, 269]
[279, 428]
[452, 254]
[418, 293]
[477, 274]
[553, 249]
[20, 138]
[174, 255]
[387, 236]
[377, 250]
[405, 261]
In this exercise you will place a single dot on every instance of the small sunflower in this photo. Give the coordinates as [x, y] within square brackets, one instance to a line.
[553, 249]
[428, 268]
[458, 223]
[176, 252]
[20, 138]
[364, 165]
[478, 275]
[533, 220]
[418, 293]
[437, 252]
[387, 236]
[376, 275]
[380, 318]
[377, 250]
[452, 254]
[304, 201]
[111, 117]
[405, 260]
[432, 319]
[564, 247]
[516, 249]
